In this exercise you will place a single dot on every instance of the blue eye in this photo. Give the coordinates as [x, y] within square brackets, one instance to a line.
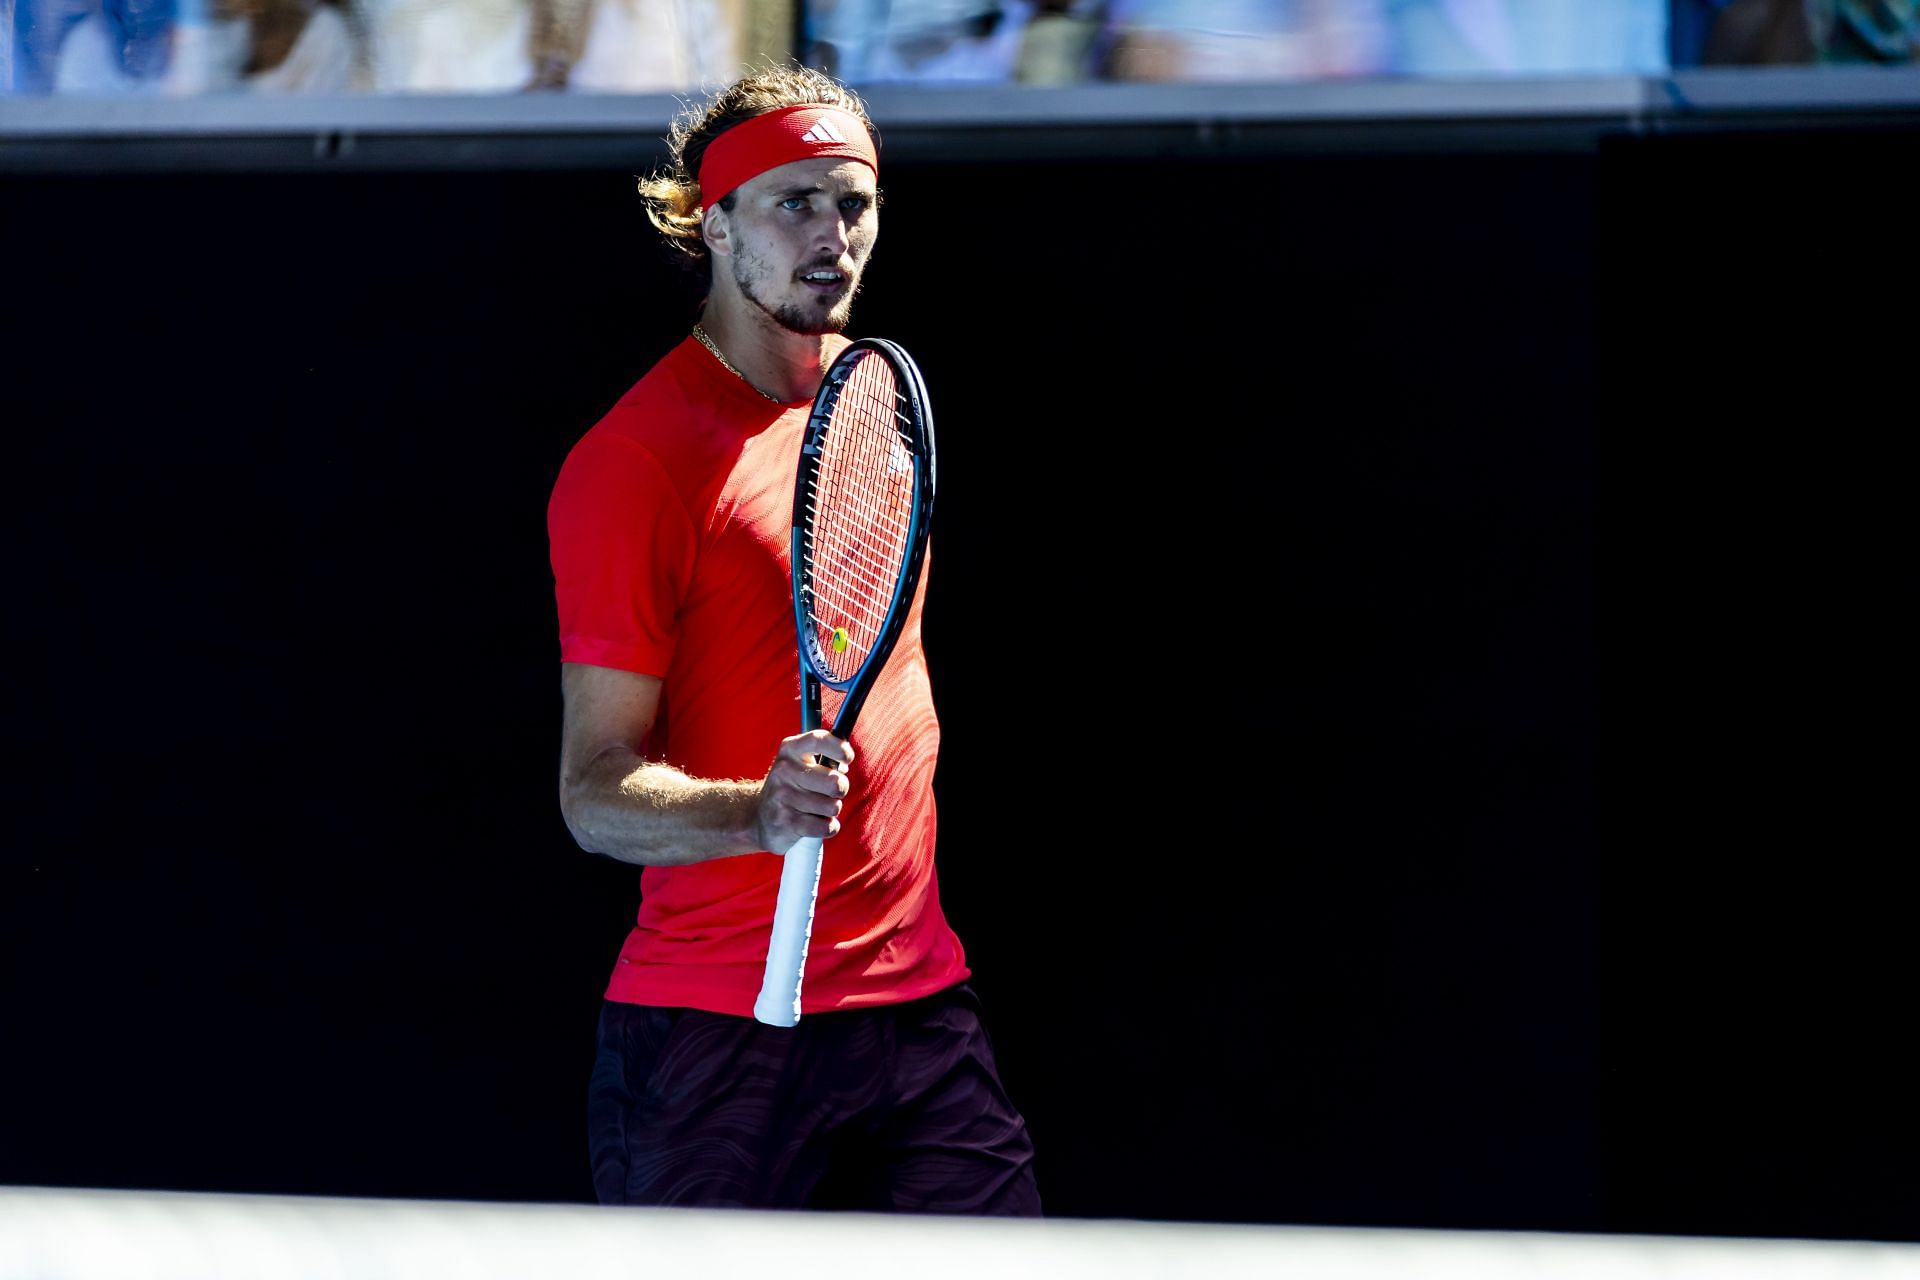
[793, 202]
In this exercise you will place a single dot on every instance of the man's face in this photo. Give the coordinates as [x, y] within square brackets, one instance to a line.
[799, 239]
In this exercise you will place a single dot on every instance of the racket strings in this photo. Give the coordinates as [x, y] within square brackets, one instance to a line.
[860, 543]
[858, 518]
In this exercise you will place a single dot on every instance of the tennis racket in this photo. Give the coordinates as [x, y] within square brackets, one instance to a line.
[861, 503]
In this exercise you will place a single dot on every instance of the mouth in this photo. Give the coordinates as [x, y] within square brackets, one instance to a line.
[825, 281]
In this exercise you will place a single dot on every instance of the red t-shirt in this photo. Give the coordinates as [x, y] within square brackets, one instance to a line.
[670, 528]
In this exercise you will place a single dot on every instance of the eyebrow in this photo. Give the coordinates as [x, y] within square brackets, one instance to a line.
[866, 193]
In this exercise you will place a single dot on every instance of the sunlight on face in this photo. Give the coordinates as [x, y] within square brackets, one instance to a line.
[801, 237]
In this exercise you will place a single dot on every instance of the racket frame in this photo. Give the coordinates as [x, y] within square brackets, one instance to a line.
[778, 1003]
[908, 386]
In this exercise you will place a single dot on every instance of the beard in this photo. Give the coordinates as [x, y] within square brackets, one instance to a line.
[810, 318]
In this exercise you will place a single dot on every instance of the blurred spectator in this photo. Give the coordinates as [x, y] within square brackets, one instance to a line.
[922, 41]
[1759, 31]
[612, 46]
[1751, 32]
[624, 46]
[118, 45]
[385, 46]
[1528, 37]
[837, 35]
[1250, 41]
[181, 47]
[1057, 45]
[1881, 31]
[557, 39]
[647, 46]
[1245, 40]
[294, 46]
[1689, 23]
[446, 46]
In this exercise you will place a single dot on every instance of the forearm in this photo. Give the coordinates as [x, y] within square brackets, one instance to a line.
[654, 815]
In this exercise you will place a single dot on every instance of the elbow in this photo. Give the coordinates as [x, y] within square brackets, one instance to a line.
[573, 813]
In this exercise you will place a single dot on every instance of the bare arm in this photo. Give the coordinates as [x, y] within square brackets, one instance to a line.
[622, 805]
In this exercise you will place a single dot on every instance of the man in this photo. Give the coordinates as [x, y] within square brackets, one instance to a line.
[669, 527]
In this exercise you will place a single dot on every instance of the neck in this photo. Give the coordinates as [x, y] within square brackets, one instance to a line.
[779, 362]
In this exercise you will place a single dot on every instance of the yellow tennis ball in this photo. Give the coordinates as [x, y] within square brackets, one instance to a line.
[839, 639]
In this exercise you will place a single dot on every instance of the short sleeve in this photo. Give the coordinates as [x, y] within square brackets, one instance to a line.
[623, 549]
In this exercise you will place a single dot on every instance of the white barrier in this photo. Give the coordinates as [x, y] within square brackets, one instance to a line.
[53, 1234]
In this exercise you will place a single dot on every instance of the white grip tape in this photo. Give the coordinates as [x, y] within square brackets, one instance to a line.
[779, 1002]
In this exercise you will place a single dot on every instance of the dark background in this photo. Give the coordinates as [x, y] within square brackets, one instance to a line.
[1267, 635]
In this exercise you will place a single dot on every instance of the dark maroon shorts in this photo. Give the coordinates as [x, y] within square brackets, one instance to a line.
[896, 1108]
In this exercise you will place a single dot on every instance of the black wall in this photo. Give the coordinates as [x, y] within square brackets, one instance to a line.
[1266, 638]
[1759, 445]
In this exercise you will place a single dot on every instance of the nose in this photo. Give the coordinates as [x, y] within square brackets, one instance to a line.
[833, 233]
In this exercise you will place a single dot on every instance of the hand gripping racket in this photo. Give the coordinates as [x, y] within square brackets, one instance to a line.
[861, 503]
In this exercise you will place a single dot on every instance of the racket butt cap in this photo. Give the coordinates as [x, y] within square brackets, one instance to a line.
[775, 1012]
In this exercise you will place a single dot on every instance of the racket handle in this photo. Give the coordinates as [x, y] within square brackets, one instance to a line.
[779, 1002]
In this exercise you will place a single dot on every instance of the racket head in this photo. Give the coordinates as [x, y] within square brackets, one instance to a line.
[863, 500]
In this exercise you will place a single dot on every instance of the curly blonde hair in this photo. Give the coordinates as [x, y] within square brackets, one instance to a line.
[673, 196]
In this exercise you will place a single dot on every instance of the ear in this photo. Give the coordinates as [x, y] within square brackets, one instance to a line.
[716, 228]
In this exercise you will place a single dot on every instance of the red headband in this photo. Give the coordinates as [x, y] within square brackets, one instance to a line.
[768, 141]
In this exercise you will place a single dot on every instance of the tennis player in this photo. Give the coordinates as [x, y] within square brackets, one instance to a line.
[669, 527]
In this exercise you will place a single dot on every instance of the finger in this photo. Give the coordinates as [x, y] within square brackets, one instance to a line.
[838, 750]
[805, 788]
[808, 775]
[815, 804]
[824, 780]
[804, 747]
[787, 822]
[817, 825]
[801, 748]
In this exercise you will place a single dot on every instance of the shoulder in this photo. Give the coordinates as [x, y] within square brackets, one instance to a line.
[664, 407]
[663, 426]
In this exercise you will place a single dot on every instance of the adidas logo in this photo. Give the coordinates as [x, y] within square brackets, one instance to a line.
[822, 132]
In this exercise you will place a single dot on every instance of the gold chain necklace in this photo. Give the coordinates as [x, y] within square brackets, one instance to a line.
[725, 363]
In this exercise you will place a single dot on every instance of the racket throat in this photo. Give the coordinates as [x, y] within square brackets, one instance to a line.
[809, 700]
